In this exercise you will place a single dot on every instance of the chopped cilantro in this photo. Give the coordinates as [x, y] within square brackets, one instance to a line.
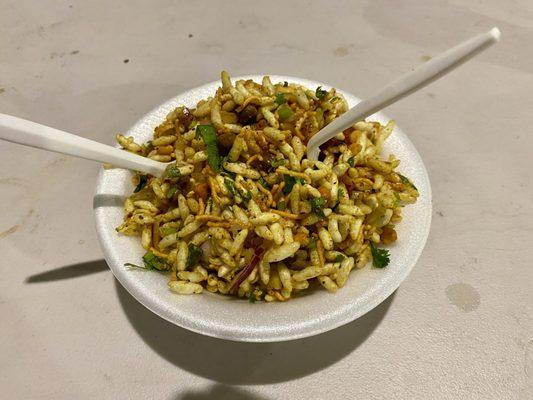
[171, 191]
[277, 163]
[311, 245]
[351, 161]
[284, 112]
[172, 172]
[195, 252]
[251, 297]
[320, 93]
[338, 258]
[317, 206]
[168, 231]
[230, 185]
[397, 200]
[334, 99]
[209, 136]
[406, 181]
[245, 196]
[264, 183]
[290, 181]
[340, 194]
[143, 180]
[229, 174]
[151, 261]
[380, 257]
[280, 99]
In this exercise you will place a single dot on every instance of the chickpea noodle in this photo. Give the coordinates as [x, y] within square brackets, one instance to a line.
[241, 211]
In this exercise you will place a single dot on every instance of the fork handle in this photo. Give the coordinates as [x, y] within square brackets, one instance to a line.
[403, 86]
[28, 133]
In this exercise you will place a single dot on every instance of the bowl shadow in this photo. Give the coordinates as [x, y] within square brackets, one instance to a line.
[219, 392]
[242, 363]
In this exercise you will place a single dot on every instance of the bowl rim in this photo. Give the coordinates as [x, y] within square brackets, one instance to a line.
[349, 314]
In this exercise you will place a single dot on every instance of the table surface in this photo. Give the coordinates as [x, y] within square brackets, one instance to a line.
[460, 326]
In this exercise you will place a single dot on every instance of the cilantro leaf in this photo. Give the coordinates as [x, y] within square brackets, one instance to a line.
[284, 112]
[171, 191]
[264, 183]
[245, 196]
[397, 200]
[195, 252]
[311, 245]
[351, 161]
[317, 206]
[320, 93]
[340, 194]
[143, 180]
[168, 231]
[230, 185]
[277, 163]
[338, 258]
[406, 181]
[151, 261]
[334, 99]
[172, 172]
[225, 173]
[209, 136]
[280, 99]
[290, 181]
[380, 257]
[251, 297]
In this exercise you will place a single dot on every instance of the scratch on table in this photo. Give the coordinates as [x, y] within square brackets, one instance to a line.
[55, 162]
[14, 228]
[11, 181]
[527, 366]
[9, 231]
[528, 361]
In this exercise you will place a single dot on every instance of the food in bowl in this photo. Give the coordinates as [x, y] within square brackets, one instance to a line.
[241, 211]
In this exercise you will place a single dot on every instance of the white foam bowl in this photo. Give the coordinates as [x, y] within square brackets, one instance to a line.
[228, 318]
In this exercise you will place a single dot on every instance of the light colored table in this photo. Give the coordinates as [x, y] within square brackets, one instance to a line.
[460, 327]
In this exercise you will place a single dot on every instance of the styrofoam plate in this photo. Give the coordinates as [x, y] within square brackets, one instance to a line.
[233, 319]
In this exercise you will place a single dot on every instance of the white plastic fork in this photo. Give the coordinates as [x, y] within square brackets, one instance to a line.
[405, 85]
[22, 131]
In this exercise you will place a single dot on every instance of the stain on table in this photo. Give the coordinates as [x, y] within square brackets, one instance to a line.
[463, 296]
